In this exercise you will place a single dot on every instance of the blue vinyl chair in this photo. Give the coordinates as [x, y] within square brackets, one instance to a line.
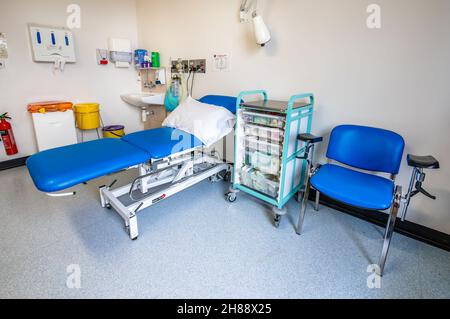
[371, 150]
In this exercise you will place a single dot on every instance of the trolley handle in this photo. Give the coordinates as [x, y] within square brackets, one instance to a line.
[294, 98]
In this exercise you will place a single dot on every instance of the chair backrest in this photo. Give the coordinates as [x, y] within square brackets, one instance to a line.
[367, 148]
[228, 102]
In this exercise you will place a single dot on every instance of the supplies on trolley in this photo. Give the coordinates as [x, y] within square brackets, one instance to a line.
[266, 133]
[267, 164]
[264, 119]
[263, 183]
[255, 144]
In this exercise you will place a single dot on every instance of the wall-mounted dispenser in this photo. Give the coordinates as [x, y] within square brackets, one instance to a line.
[120, 52]
[102, 57]
[52, 44]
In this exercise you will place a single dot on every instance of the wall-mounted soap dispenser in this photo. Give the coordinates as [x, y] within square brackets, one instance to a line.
[52, 44]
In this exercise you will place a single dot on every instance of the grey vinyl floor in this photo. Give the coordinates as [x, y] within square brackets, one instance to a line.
[197, 245]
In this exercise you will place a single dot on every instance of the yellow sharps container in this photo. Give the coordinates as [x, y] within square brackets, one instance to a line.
[87, 116]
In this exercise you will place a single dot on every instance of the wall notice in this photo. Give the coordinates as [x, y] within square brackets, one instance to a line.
[221, 62]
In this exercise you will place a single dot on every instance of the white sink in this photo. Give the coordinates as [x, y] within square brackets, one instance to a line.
[143, 100]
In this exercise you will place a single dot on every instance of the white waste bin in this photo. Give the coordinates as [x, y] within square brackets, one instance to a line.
[54, 124]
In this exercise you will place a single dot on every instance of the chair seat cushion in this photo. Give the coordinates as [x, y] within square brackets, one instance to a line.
[354, 188]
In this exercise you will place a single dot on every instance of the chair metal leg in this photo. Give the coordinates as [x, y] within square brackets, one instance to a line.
[301, 217]
[300, 196]
[316, 206]
[390, 228]
[409, 193]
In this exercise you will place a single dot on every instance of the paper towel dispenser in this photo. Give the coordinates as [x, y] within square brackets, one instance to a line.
[120, 52]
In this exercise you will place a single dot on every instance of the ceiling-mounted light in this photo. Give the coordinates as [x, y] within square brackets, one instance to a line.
[262, 33]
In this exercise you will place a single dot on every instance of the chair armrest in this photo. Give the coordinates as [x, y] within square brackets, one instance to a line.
[309, 138]
[428, 162]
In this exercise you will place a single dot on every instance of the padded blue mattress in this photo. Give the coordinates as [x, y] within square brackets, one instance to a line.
[60, 168]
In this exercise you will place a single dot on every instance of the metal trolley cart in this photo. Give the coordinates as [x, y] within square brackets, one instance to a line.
[269, 162]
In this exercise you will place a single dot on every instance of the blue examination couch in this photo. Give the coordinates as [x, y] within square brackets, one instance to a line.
[60, 168]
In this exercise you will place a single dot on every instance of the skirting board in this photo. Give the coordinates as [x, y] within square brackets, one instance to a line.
[13, 163]
[407, 228]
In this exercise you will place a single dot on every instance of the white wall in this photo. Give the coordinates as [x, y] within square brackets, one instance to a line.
[24, 81]
[396, 78]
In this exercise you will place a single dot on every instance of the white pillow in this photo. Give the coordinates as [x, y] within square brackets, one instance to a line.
[209, 123]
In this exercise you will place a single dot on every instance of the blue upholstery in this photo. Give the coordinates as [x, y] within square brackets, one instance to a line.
[354, 188]
[60, 168]
[367, 148]
[162, 142]
[228, 102]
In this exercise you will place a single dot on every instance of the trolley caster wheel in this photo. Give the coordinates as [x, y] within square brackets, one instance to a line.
[108, 206]
[231, 197]
[277, 221]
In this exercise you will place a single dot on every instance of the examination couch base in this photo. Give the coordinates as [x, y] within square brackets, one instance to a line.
[160, 180]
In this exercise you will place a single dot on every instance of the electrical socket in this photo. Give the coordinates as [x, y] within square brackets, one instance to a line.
[197, 66]
[184, 63]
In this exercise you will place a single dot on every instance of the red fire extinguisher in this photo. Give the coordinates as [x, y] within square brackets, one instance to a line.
[7, 135]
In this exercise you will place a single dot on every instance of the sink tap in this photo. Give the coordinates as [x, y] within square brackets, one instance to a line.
[149, 85]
